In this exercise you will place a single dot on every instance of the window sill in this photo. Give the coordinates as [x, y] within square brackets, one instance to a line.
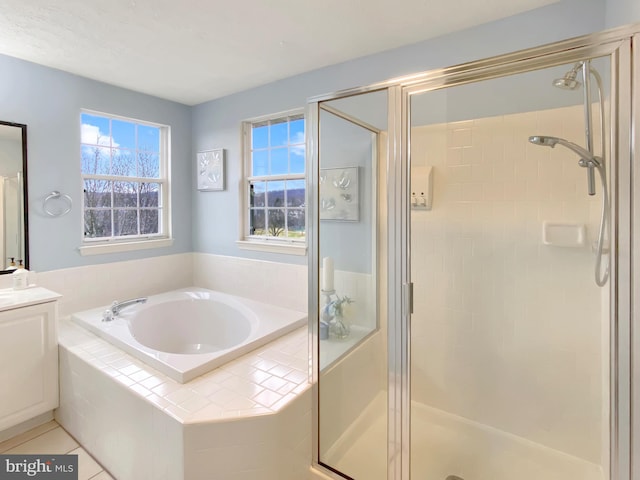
[115, 247]
[273, 247]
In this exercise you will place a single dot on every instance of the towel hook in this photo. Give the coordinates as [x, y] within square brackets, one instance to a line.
[55, 195]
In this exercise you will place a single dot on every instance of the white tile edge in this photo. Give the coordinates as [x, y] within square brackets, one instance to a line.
[271, 247]
[124, 246]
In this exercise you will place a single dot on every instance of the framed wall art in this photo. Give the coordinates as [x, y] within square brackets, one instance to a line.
[339, 195]
[211, 170]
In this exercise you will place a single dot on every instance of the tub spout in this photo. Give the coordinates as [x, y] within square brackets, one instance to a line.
[116, 308]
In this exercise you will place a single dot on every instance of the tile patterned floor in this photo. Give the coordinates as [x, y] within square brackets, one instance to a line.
[51, 438]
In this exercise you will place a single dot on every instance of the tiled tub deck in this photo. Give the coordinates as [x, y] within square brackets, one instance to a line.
[248, 419]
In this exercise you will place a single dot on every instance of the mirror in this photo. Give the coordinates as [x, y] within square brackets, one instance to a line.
[14, 239]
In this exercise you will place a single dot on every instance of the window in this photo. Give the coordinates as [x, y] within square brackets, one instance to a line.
[275, 183]
[125, 177]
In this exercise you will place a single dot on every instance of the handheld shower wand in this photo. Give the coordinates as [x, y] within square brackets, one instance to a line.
[587, 159]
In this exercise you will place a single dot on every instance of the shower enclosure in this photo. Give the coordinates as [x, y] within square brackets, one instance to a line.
[471, 276]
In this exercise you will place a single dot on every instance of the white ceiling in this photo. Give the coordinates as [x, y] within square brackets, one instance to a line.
[192, 51]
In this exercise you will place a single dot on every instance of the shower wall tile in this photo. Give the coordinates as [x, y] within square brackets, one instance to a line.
[459, 134]
[507, 331]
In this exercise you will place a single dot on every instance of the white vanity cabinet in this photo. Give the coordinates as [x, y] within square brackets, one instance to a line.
[28, 354]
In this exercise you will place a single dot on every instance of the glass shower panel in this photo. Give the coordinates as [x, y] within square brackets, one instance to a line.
[352, 403]
[510, 331]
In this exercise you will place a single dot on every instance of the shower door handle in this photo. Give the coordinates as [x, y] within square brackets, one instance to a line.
[407, 297]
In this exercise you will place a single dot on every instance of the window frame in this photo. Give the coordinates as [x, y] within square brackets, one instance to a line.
[267, 243]
[93, 246]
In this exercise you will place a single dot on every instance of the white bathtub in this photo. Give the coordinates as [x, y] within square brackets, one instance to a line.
[188, 332]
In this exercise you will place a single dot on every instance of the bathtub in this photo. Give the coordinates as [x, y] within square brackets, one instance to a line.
[186, 333]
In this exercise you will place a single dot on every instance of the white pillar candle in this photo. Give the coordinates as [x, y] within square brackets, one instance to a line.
[327, 274]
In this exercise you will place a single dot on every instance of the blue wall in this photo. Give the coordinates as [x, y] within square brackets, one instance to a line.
[216, 124]
[49, 101]
[343, 145]
[622, 12]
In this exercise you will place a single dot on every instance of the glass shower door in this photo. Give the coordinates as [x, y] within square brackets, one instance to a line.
[509, 243]
[351, 356]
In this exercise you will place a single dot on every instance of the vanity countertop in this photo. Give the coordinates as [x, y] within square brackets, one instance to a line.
[32, 295]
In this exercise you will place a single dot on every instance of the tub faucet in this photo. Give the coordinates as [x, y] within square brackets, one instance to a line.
[116, 308]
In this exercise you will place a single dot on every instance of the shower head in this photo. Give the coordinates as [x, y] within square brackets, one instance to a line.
[553, 141]
[587, 159]
[569, 82]
[544, 141]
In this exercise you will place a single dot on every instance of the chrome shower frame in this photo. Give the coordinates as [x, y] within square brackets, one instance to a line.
[622, 45]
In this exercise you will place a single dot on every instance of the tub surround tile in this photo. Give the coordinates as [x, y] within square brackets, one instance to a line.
[228, 399]
[158, 401]
[124, 380]
[130, 370]
[227, 413]
[284, 400]
[238, 403]
[78, 284]
[112, 372]
[242, 386]
[141, 390]
[167, 387]
[275, 383]
[296, 376]
[260, 382]
[241, 368]
[280, 371]
[253, 279]
[140, 375]
[267, 398]
[206, 389]
[195, 404]
[288, 387]
[179, 396]
[259, 376]
[176, 412]
[205, 414]
[257, 410]
[151, 382]
[110, 357]
[120, 363]
[264, 364]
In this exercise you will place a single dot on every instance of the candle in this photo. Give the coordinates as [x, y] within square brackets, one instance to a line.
[327, 274]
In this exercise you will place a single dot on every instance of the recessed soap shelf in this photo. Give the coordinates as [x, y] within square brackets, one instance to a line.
[567, 235]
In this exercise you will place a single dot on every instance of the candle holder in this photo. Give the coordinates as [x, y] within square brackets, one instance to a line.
[331, 316]
[325, 314]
